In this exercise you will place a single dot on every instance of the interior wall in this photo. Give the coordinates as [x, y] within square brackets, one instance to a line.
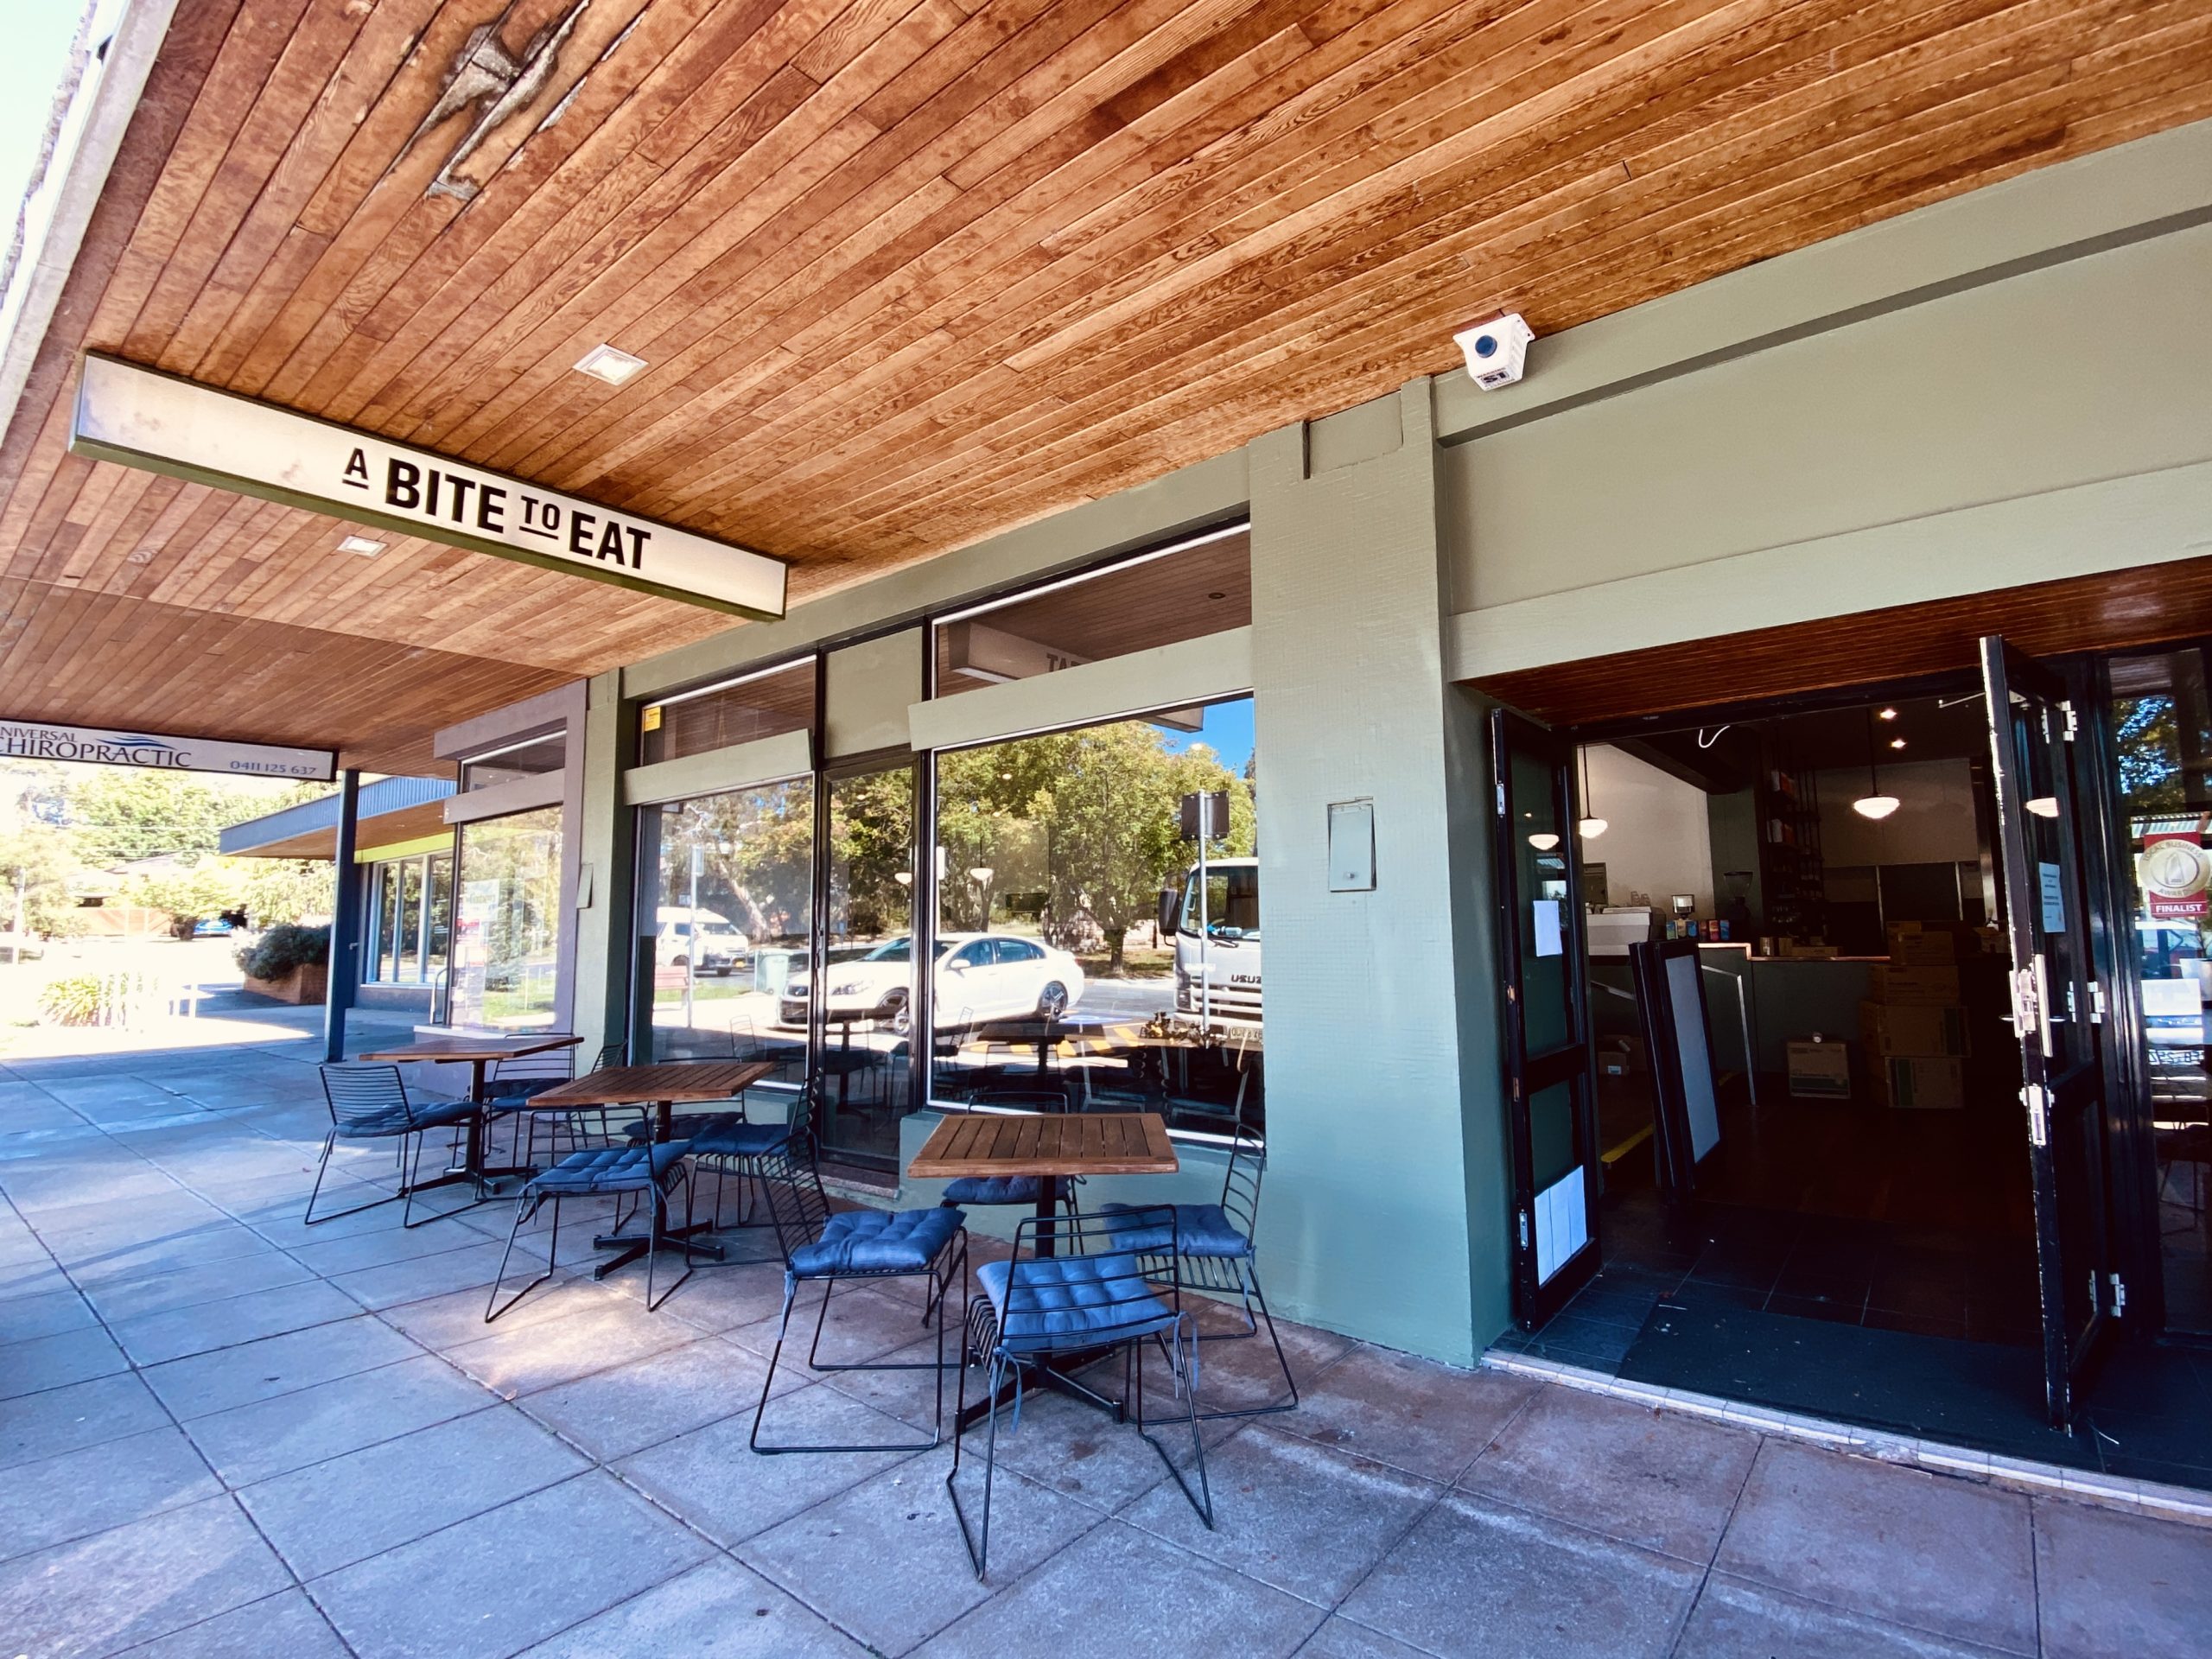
[1658, 838]
[1933, 822]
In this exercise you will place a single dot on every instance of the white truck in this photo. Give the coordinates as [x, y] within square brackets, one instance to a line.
[1215, 928]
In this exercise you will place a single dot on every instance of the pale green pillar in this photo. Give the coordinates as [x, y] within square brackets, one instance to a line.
[606, 841]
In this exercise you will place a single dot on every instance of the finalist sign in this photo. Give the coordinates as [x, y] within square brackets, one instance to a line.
[142, 418]
[30, 740]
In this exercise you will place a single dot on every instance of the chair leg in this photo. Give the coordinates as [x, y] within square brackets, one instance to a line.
[659, 1218]
[524, 1212]
[1171, 1343]
[979, 1540]
[782, 1331]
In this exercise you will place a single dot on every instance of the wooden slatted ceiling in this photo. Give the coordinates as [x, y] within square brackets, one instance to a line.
[908, 272]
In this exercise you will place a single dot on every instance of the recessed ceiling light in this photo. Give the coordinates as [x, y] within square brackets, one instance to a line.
[605, 363]
[366, 546]
[1886, 714]
[1896, 742]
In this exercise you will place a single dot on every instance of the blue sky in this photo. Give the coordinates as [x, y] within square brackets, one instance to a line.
[1228, 733]
[30, 69]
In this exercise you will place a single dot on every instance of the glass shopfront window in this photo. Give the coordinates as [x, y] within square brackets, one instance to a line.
[533, 759]
[725, 920]
[506, 946]
[411, 909]
[2162, 739]
[1195, 587]
[869, 977]
[1078, 952]
[765, 705]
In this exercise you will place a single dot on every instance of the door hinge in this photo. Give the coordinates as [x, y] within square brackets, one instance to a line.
[1501, 800]
[2118, 1296]
[2073, 721]
[1524, 1229]
[2096, 1001]
[2035, 1098]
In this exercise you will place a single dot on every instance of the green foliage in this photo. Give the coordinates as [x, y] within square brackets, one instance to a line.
[72, 1000]
[119, 814]
[283, 948]
[284, 889]
[190, 895]
[35, 862]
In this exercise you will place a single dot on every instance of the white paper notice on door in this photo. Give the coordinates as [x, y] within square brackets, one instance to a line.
[2054, 898]
[1562, 1224]
[1547, 933]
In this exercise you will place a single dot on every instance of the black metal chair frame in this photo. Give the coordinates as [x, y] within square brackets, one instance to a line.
[373, 1092]
[985, 1344]
[545, 1070]
[798, 1129]
[1238, 1276]
[799, 1209]
[679, 1174]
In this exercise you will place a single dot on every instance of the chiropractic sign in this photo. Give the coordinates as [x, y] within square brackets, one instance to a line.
[142, 418]
[30, 740]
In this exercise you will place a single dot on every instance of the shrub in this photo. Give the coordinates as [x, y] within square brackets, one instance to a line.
[72, 1000]
[283, 948]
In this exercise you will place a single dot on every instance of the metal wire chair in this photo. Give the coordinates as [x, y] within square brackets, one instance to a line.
[833, 1247]
[1093, 1296]
[370, 1102]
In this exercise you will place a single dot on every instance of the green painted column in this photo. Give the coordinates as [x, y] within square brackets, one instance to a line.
[1386, 1206]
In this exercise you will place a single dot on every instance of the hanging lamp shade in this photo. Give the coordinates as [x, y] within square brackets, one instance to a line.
[1590, 826]
[1543, 841]
[1873, 804]
[1876, 806]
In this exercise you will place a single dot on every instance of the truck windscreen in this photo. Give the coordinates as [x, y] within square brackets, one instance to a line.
[1232, 906]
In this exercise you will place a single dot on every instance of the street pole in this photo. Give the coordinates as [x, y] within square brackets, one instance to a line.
[691, 944]
[1206, 928]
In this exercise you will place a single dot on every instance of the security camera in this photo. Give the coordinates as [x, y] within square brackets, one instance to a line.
[1496, 349]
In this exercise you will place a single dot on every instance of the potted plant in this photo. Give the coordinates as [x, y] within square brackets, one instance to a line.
[289, 962]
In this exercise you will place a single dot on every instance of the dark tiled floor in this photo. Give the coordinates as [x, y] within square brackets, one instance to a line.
[277, 1473]
[2149, 1415]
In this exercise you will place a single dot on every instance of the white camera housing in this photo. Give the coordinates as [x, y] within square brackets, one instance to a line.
[1496, 349]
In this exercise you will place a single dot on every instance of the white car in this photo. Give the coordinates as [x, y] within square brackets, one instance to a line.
[979, 977]
[719, 946]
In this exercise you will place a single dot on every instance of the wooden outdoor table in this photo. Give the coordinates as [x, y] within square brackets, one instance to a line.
[476, 1052]
[662, 1087]
[1054, 1146]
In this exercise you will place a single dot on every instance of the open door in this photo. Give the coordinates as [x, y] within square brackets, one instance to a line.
[2055, 1008]
[1549, 1076]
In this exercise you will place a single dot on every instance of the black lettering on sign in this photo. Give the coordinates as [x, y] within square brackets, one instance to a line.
[401, 484]
[580, 534]
[357, 470]
[489, 510]
[638, 540]
[610, 542]
[431, 495]
[461, 486]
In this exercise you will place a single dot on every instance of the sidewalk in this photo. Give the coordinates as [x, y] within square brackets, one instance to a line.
[225, 1433]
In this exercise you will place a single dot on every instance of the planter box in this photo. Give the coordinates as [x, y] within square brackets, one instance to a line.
[302, 986]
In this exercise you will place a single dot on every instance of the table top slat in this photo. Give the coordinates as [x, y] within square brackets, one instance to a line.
[990, 1143]
[680, 1082]
[445, 1050]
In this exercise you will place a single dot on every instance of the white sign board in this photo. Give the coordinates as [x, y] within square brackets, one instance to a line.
[34, 741]
[140, 418]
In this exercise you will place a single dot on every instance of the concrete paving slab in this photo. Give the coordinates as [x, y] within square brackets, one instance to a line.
[719, 1611]
[99, 1594]
[1668, 1483]
[44, 1313]
[96, 1487]
[55, 1420]
[1527, 1584]
[613, 1413]
[505, 1580]
[1952, 1557]
[260, 1370]
[1737, 1620]
[155, 1339]
[287, 1625]
[56, 1361]
[273, 1437]
[2121, 1586]
[333, 1513]
[1426, 1418]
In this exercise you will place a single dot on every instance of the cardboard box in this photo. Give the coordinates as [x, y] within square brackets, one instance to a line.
[1820, 1071]
[1932, 945]
[1922, 1085]
[1911, 1033]
[1620, 1057]
[1918, 987]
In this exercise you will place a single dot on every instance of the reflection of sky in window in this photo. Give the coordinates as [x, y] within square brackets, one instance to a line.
[1227, 730]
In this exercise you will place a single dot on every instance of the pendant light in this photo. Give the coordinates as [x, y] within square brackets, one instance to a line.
[1873, 804]
[1591, 826]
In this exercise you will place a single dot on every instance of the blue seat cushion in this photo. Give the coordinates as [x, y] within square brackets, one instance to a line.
[1072, 1302]
[732, 1137]
[398, 1121]
[1201, 1230]
[877, 1241]
[995, 1188]
[609, 1169]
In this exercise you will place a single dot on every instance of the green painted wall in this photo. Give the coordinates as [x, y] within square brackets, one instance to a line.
[606, 844]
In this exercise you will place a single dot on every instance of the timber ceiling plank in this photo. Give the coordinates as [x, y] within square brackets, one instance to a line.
[908, 272]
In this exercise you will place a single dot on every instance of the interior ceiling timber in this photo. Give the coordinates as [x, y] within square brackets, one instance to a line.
[909, 272]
